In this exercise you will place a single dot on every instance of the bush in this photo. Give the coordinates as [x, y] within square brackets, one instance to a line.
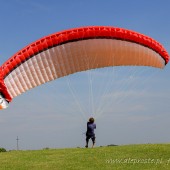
[2, 150]
[47, 148]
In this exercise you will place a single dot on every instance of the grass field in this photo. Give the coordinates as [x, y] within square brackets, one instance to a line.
[137, 157]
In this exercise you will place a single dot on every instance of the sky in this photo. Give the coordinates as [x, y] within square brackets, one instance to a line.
[133, 107]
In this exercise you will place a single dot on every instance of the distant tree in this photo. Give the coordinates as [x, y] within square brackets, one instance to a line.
[47, 148]
[112, 145]
[2, 150]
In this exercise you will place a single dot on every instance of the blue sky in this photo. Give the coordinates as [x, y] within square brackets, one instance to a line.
[136, 105]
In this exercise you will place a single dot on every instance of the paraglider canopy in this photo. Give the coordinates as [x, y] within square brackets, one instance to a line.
[71, 51]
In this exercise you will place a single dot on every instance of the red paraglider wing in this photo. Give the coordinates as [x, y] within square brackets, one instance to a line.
[75, 50]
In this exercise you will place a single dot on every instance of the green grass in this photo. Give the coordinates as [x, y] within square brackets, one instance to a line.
[137, 157]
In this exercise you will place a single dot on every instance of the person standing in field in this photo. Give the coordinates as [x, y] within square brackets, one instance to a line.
[90, 132]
